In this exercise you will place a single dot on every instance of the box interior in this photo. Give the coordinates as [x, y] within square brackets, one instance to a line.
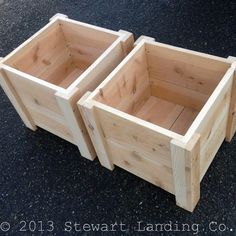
[164, 85]
[62, 52]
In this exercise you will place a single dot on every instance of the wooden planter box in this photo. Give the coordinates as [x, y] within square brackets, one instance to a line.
[162, 115]
[45, 76]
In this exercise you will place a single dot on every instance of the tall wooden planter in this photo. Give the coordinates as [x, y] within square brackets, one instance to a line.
[46, 75]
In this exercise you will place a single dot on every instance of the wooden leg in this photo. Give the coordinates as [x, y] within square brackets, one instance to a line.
[93, 127]
[231, 126]
[186, 172]
[75, 123]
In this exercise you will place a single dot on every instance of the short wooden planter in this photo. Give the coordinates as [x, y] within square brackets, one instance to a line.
[162, 115]
[46, 75]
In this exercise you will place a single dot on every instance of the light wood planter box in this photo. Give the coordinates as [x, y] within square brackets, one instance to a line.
[45, 76]
[162, 115]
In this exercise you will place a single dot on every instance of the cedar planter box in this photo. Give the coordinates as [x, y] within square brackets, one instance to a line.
[45, 76]
[162, 115]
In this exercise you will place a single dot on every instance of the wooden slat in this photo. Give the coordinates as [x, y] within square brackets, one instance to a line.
[114, 75]
[83, 53]
[34, 94]
[159, 112]
[128, 93]
[61, 72]
[29, 43]
[70, 78]
[217, 112]
[196, 71]
[178, 94]
[16, 100]
[184, 121]
[58, 62]
[213, 131]
[131, 104]
[134, 162]
[123, 131]
[78, 33]
[167, 115]
[100, 69]
[187, 76]
[186, 57]
[81, 65]
[50, 123]
[129, 88]
[40, 53]
[213, 143]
